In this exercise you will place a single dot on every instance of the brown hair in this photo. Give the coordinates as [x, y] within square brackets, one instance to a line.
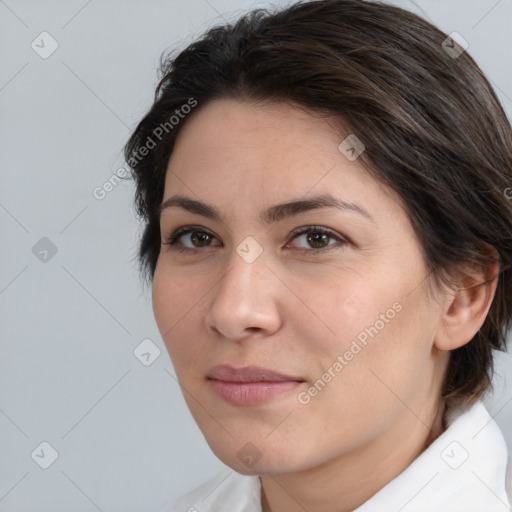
[433, 129]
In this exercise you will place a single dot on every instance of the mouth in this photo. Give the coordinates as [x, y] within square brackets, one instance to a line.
[251, 385]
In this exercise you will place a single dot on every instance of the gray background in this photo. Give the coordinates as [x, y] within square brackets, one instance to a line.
[70, 324]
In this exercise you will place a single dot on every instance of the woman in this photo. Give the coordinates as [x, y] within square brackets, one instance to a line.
[329, 245]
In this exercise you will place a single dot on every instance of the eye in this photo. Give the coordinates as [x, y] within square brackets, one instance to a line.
[198, 238]
[318, 238]
[195, 235]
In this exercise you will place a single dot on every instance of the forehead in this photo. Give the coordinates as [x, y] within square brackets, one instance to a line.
[229, 131]
[235, 151]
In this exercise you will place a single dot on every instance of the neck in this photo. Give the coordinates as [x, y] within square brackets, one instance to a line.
[346, 482]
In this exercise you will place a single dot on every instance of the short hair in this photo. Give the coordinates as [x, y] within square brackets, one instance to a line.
[433, 130]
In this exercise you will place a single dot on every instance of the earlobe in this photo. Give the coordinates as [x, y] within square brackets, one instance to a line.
[466, 308]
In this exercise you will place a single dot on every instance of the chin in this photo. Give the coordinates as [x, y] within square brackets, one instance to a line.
[248, 459]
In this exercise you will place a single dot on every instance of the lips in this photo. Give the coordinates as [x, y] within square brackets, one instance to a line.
[227, 373]
[250, 386]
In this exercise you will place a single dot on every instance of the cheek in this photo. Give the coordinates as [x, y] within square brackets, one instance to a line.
[163, 300]
[371, 326]
[174, 295]
[175, 308]
[346, 309]
[385, 352]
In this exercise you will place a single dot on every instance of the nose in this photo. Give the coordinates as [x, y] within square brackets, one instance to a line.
[245, 300]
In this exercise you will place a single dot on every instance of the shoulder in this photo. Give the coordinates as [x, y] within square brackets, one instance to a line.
[227, 490]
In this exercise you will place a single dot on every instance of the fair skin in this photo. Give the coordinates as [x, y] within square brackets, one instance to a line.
[295, 311]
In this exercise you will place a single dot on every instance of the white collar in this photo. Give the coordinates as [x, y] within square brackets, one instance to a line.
[463, 470]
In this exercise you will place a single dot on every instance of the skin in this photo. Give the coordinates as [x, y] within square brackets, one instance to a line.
[295, 311]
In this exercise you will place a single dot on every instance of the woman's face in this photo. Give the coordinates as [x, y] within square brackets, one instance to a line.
[348, 326]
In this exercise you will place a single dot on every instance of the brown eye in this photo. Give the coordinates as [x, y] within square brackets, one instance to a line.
[194, 238]
[317, 239]
[199, 239]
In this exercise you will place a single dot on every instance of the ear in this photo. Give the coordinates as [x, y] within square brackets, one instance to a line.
[467, 304]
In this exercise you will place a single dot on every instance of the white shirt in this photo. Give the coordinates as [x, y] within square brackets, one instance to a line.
[463, 470]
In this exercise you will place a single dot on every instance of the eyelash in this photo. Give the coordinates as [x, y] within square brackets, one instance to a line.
[172, 240]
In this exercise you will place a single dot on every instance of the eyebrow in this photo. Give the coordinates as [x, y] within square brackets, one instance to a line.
[275, 213]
